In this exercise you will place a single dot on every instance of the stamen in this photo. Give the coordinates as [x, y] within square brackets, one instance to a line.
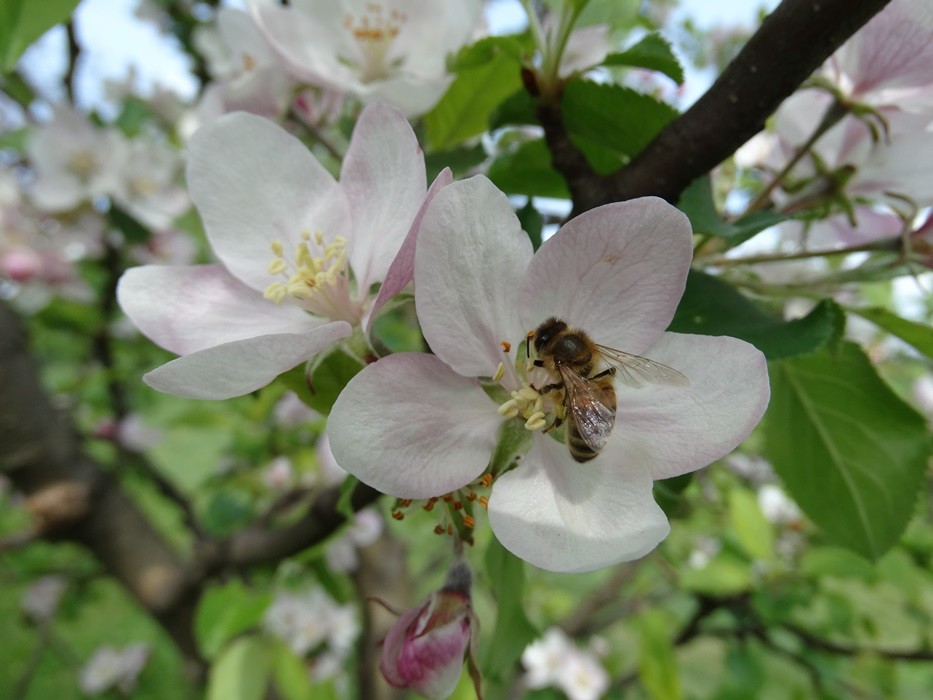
[500, 372]
[320, 284]
[506, 346]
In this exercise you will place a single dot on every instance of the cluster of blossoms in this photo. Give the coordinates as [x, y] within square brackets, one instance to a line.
[859, 140]
[314, 624]
[420, 426]
[111, 669]
[555, 661]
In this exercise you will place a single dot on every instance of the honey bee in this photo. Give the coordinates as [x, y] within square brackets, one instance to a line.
[589, 399]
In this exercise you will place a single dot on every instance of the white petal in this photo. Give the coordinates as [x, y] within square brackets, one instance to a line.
[413, 95]
[410, 427]
[674, 430]
[564, 516]
[310, 41]
[402, 269]
[189, 308]
[470, 258]
[254, 183]
[617, 272]
[237, 368]
[384, 181]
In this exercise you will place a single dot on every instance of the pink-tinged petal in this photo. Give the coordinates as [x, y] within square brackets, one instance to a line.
[402, 270]
[617, 272]
[254, 183]
[410, 427]
[237, 368]
[425, 647]
[309, 39]
[412, 94]
[384, 181]
[561, 515]
[189, 308]
[895, 49]
[676, 429]
[469, 261]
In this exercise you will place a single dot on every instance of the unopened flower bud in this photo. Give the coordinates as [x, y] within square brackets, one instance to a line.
[425, 649]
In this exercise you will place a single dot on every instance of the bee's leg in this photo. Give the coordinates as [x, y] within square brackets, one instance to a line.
[611, 372]
[551, 387]
[538, 363]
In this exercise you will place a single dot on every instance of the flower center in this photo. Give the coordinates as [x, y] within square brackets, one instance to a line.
[374, 33]
[539, 408]
[82, 164]
[318, 283]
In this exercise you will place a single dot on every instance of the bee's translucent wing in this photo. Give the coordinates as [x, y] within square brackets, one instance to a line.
[586, 410]
[635, 371]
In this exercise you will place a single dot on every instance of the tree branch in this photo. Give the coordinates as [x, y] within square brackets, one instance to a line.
[791, 43]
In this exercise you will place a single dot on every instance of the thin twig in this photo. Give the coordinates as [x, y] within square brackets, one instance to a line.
[74, 51]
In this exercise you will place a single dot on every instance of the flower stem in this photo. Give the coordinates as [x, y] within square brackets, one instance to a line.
[832, 116]
[802, 255]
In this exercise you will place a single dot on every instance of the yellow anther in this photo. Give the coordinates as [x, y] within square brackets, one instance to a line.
[278, 250]
[305, 235]
[275, 292]
[536, 421]
[527, 393]
[277, 266]
[318, 237]
[509, 409]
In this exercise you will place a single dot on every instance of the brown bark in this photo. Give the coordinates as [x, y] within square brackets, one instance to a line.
[791, 43]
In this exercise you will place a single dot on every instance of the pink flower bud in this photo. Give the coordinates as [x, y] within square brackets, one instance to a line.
[20, 264]
[425, 649]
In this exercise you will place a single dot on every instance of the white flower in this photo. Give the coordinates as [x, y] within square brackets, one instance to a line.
[387, 50]
[110, 668]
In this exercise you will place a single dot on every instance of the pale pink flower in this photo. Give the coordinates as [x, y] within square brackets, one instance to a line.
[299, 252]
[308, 620]
[425, 649]
[40, 600]
[554, 660]
[74, 160]
[777, 506]
[149, 184]
[393, 51]
[415, 425]
[890, 60]
[110, 668]
[247, 73]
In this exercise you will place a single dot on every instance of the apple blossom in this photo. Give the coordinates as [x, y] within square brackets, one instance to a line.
[890, 60]
[419, 426]
[74, 160]
[298, 252]
[379, 50]
[110, 668]
[148, 184]
[554, 660]
[425, 649]
[310, 619]
[247, 73]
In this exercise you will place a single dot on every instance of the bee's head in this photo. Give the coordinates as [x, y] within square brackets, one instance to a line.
[547, 331]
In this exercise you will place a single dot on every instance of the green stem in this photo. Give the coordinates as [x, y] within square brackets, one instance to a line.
[835, 112]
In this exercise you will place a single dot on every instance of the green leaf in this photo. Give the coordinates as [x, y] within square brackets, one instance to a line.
[698, 204]
[752, 529]
[518, 108]
[291, 676]
[463, 112]
[617, 14]
[330, 375]
[241, 672]
[820, 562]
[920, 335]
[667, 493]
[15, 139]
[532, 222]
[486, 50]
[653, 52]
[613, 117]
[851, 452]
[459, 160]
[24, 21]
[226, 611]
[726, 574]
[657, 665]
[128, 225]
[527, 170]
[514, 630]
[713, 307]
